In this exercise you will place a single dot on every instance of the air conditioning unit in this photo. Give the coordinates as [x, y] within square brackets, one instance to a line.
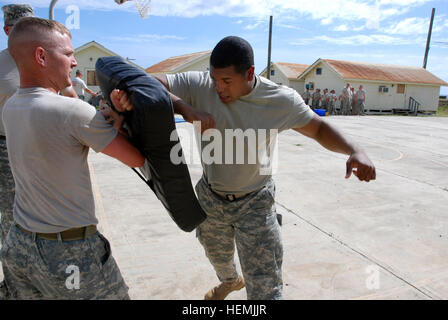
[383, 89]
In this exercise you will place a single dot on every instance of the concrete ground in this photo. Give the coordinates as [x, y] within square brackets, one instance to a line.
[343, 239]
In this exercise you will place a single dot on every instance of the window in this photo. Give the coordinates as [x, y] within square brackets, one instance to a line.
[272, 72]
[91, 78]
[400, 88]
[383, 89]
[319, 71]
[311, 86]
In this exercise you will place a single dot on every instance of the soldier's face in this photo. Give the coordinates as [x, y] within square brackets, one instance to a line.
[231, 85]
[61, 60]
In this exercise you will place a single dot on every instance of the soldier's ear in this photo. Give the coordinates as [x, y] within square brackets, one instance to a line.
[250, 73]
[7, 29]
[40, 55]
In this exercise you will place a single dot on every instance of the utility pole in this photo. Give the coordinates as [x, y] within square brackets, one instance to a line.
[428, 42]
[269, 49]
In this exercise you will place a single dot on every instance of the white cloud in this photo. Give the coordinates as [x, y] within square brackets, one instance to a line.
[362, 40]
[287, 26]
[146, 38]
[354, 14]
[342, 27]
[416, 26]
[254, 25]
[327, 11]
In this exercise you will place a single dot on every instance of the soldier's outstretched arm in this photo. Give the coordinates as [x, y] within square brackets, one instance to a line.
[332, 139]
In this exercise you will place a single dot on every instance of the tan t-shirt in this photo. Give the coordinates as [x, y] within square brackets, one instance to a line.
[9, 81]
[48, 138]
[268, 106]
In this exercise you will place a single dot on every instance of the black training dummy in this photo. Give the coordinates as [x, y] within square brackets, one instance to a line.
[151, 123]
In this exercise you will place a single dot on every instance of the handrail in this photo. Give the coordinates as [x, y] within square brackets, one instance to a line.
[414, 105]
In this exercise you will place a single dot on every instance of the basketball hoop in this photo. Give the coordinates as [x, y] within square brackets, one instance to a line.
[142, 6]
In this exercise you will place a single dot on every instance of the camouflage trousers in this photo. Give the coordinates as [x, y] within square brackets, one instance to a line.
[251, 223]
[48, 269]
[359, 108]
[330, 108]
[346, 107]
[6, 191]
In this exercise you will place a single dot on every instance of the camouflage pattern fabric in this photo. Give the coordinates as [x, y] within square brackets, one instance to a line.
[345, 106]
[251, 223]
[360, 105]
[6, 192]
[47, 269]
[13, 12]
[330, 107]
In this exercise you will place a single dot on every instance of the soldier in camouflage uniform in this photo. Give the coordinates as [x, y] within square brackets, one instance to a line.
[9, 82]
[239, 197]
[306, 96]
[53, 250]
[360, 101]
[346, 100]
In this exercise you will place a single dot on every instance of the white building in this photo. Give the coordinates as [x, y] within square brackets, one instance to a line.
[388, 87]
[86, 56]
[199, 61]
[287, 74]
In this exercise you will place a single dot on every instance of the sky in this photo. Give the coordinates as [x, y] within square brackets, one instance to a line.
[375, 31]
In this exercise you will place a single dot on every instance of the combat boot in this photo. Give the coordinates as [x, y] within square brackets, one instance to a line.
[221, 291]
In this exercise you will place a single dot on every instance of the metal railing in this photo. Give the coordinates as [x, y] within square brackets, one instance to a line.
[414, 105]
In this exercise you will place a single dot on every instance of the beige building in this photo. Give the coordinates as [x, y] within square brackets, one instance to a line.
[388, 87]
[86, 56]
[287, 74]
[199, 61]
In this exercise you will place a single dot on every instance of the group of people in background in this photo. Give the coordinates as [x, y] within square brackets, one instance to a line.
[348, 102]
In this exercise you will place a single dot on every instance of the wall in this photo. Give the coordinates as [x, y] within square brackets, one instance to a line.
[201, 65]
[428, 96]
[329, 79]
[278, 77]
[299, 86]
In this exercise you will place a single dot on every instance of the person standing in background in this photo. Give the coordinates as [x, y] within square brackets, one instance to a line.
[346, 100]
[316, 97]
[306, 96]
[80, 86]
[360, 101]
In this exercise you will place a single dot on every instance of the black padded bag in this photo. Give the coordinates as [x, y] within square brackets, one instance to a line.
[151, 123]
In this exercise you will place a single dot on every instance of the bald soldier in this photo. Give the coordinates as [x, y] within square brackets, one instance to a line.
[53, 249]
[9, 82]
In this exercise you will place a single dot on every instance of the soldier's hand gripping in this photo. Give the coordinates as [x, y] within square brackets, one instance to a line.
[120, 100]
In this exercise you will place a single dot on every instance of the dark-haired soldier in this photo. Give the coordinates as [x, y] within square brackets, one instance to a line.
[239, 198]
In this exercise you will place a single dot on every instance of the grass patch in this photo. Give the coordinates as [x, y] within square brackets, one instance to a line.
[442, 111]
[298, 145]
